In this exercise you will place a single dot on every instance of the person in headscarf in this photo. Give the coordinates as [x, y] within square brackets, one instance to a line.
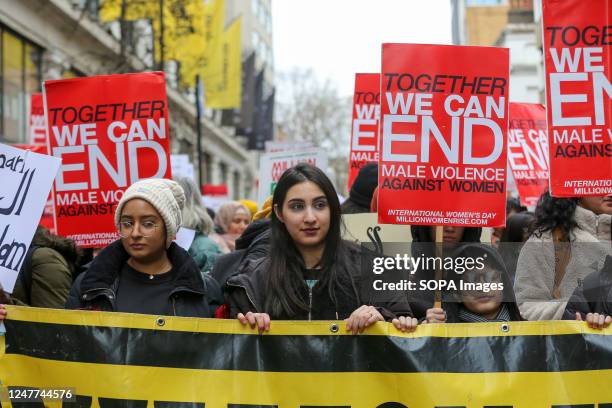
[360, 196]
[232, 218]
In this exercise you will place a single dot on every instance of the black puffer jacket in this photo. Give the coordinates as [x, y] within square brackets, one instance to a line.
[247, 291]
[252, 245]
[594, 295]
[424, 244]
[96, 288]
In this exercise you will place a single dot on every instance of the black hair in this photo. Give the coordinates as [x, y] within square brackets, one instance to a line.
[285, 277]
[516, 227]
[491, 258]
[351, 207]
[514, 204]
[552, 212]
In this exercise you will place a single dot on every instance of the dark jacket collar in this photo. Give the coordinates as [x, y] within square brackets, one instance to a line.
[253, 233]
[104, 269]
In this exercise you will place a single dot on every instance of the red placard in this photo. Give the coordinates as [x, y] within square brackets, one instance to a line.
[578, 60]
[37, 125]
[444, 121]
[46, 220]
[110, 131]
[364, 128]
[528, 150]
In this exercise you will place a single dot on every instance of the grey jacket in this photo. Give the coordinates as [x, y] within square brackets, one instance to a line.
[535, 272]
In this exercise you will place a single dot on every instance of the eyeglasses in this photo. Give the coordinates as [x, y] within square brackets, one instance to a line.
[146, 228]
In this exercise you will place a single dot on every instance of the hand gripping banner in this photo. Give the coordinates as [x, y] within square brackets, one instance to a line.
[113, 359]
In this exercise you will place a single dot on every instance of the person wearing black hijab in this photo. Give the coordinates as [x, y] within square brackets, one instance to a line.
[362, 190]
[484, 293]
[423, 244]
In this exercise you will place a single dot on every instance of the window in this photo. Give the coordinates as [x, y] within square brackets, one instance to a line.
[207, 159]
[255, 40]
[236, 187]
[19, 78]
[224, 174]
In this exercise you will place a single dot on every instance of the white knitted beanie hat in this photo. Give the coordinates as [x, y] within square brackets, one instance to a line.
[165, 195]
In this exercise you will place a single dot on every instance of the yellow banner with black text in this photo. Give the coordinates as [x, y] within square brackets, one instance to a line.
[114, 359]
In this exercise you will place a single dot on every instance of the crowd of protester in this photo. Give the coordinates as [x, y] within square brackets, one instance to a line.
[288, 260]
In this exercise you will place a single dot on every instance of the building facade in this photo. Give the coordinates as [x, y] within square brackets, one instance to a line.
[509, 24]
[52, 39]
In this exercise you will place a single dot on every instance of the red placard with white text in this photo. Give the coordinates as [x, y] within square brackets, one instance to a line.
[528, 150]
[110, 131]
[37, 125]
[38, 144]
[578, 61]
[442, 147]
[46, 220]
[364, 128]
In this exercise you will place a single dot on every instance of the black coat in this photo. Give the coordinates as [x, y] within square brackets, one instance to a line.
[594, 295]
[252, 245]
[193, 295]
[247, 291]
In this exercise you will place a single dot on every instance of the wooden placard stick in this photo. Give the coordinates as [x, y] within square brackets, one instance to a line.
[439, 242]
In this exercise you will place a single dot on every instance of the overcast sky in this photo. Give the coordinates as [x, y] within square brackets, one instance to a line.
[337, 38]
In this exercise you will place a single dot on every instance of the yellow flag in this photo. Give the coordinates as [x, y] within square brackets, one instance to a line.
[182, 21]
[213, 36]
[192, 33]
[191, 43]
[223, 86]
[110, 10]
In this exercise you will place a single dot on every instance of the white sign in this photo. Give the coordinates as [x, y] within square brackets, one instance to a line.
[181, 166]
[184, 238]
[275, 147]
[214, 202]
[273, 165]
[27, 178]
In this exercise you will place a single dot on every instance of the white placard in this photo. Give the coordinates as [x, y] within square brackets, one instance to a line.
[27, 178]
[184, 238]
[273, 165]
[275, 147]
[181, 166]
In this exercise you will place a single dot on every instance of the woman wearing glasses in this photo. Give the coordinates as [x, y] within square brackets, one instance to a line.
[144, 271]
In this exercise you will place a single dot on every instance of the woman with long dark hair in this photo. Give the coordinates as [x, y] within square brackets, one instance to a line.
[310, 273]
[570, 239]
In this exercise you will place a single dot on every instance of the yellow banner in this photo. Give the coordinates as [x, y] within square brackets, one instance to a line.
[184, 34]
[107, 357]
[223, 85]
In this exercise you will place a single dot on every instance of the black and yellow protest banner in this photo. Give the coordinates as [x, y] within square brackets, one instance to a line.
[123, 360]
